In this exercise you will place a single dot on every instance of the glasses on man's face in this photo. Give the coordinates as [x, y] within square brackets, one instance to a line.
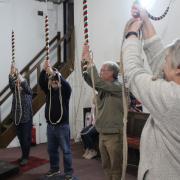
[104, 70]
[54, 82]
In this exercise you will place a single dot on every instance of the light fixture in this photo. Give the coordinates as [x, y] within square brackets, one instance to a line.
[146, 4]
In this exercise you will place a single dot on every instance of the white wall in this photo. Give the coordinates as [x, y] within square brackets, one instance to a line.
[21, 16]
[107, 19]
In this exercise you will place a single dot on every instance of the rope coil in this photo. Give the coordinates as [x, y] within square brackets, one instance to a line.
[156, 18]
[47, 37]
[86, 38]
[51, 76]
[125, 117]
[85, 14]
[13, 48]
[17, 88]
[60, 101]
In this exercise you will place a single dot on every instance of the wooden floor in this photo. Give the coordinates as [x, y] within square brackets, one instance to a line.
[83, 169]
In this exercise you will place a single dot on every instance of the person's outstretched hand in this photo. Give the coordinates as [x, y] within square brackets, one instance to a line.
[13, 70]
[138, 12]
[86, 58]
[46, 64]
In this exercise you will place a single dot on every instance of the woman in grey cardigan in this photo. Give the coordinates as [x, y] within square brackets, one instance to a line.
[160, 139]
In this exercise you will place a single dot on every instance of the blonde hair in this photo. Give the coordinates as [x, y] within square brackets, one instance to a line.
[172, 50]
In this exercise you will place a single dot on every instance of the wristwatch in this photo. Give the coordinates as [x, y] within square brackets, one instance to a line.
[131, 33]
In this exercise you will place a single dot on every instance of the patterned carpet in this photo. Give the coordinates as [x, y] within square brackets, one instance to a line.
[33, 162]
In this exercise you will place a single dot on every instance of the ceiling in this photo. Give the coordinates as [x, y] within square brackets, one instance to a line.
[54, 1]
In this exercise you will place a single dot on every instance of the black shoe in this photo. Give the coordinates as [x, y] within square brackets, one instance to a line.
[19, 160]
[52, 172]
[68, 177]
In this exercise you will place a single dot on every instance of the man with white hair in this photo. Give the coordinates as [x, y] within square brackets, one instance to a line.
[159, 92]
[109, 116]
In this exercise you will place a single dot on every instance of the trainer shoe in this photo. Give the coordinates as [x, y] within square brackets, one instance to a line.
[85, 153]
[23, 162]
[68, 177]
[92, 154]
[52, 172]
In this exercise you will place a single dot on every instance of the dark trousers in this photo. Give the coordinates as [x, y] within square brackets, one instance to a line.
[89, 136]
[23, 131]
[59, 136]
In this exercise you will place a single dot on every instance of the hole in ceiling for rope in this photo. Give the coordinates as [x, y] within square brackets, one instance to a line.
[147, 4]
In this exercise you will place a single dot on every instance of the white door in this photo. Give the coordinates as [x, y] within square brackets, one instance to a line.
[42, 126]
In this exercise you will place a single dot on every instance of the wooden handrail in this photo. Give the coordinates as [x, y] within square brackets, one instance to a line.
[31, 62]
[57, 37]
[24, 70]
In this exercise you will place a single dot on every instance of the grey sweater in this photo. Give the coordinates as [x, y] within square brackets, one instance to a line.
[160, 139]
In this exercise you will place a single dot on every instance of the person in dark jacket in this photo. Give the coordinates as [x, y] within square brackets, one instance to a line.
[90, 137]
[21, 112]
[57, 91]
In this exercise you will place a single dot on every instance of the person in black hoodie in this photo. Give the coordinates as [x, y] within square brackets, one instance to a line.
[58, 92]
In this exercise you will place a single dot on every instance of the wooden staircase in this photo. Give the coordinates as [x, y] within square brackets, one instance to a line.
[7, 128]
